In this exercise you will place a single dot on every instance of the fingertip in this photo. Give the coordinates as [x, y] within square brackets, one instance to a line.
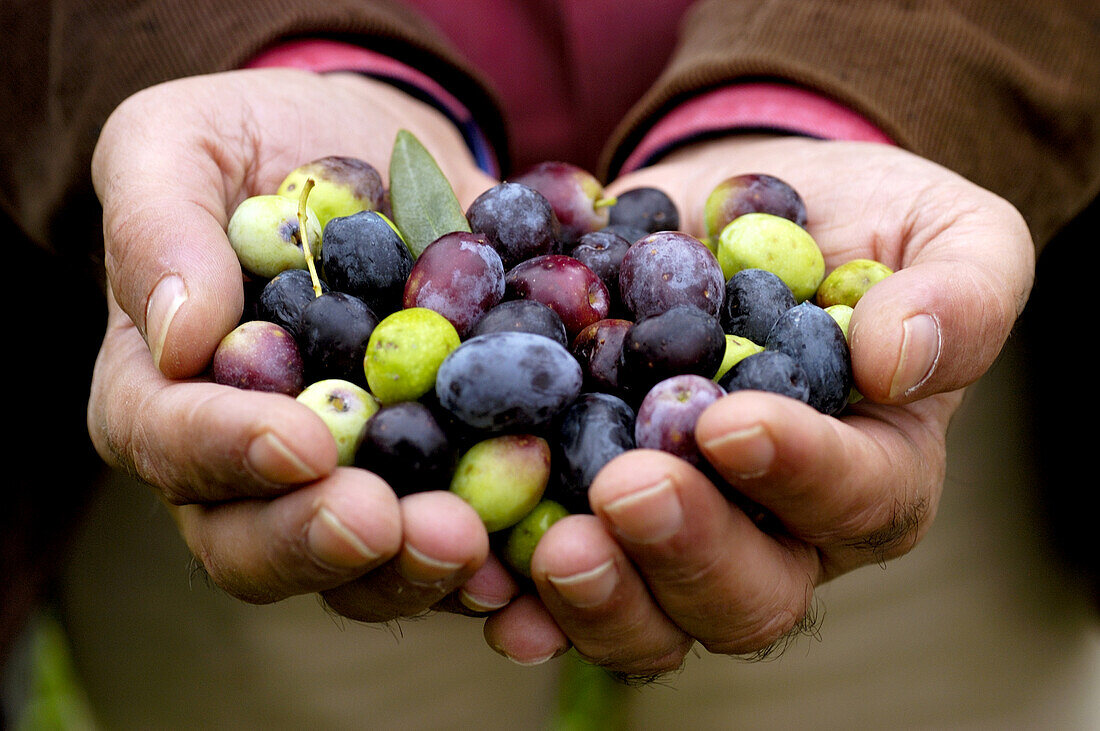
[282, 442]
[571, 545]
[753, 438]
[577, 565]
[735, 429]
[190, 310]
[305, 457]
[489, 589]
[637, 493]
[355, 528]
[930, 328]
[525, 633]
[169, 261]
[896, 338]
[444, 537]
[442, 549]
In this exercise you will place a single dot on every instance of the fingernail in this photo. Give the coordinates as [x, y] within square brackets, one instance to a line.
[536, 661]
[271, 459]
[480, 604]
[749, 451]
[165, 301]
[920, 350]
[333, 543]
[587, 588]
[423, 570]
[647, 516]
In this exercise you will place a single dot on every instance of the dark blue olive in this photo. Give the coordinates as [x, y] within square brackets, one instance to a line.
[363, 255]
[285, 296]
[507, 381]
[603, 251]
[813, 338]
[627, 231]
[406, 446]
[595, 429]
[768, 370]
[517, 220]
[649, 209]
[333, 333]
[755, 298]
[683, 339]
[521, 316]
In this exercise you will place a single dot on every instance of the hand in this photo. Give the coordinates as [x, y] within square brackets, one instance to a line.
[251, 477]
[666, 561]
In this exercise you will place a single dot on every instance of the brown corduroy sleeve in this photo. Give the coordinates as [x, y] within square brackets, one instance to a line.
[75, 60]
[1006, 93]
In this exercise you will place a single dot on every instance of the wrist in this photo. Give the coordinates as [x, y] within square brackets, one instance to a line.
[326, 56]
[746, 108]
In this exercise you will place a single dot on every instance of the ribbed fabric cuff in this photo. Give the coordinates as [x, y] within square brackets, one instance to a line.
[752, 106]
[324, 56]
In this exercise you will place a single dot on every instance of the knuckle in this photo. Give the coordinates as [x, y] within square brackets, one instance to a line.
[291, 564]
[101, 436]
[217, 573]
[897, 535]
[755, 626]
[127, 231]
[234, 579]
[382, 596]
[107, 424]
[644, 669]
[767, 634]
[148, 465]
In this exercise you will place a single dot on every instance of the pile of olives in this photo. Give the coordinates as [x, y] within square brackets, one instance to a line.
[508, 351]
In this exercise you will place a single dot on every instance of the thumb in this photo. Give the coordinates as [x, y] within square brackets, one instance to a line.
[938, 323]
[168, 259]
[180, 282]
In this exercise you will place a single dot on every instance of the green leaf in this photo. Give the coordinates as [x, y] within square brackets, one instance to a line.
[423, 202]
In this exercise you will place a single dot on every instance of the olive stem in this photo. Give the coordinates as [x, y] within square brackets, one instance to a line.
[303, 235]
[589, 697]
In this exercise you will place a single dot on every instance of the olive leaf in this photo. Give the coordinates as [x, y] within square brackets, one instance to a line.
[423, 202]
